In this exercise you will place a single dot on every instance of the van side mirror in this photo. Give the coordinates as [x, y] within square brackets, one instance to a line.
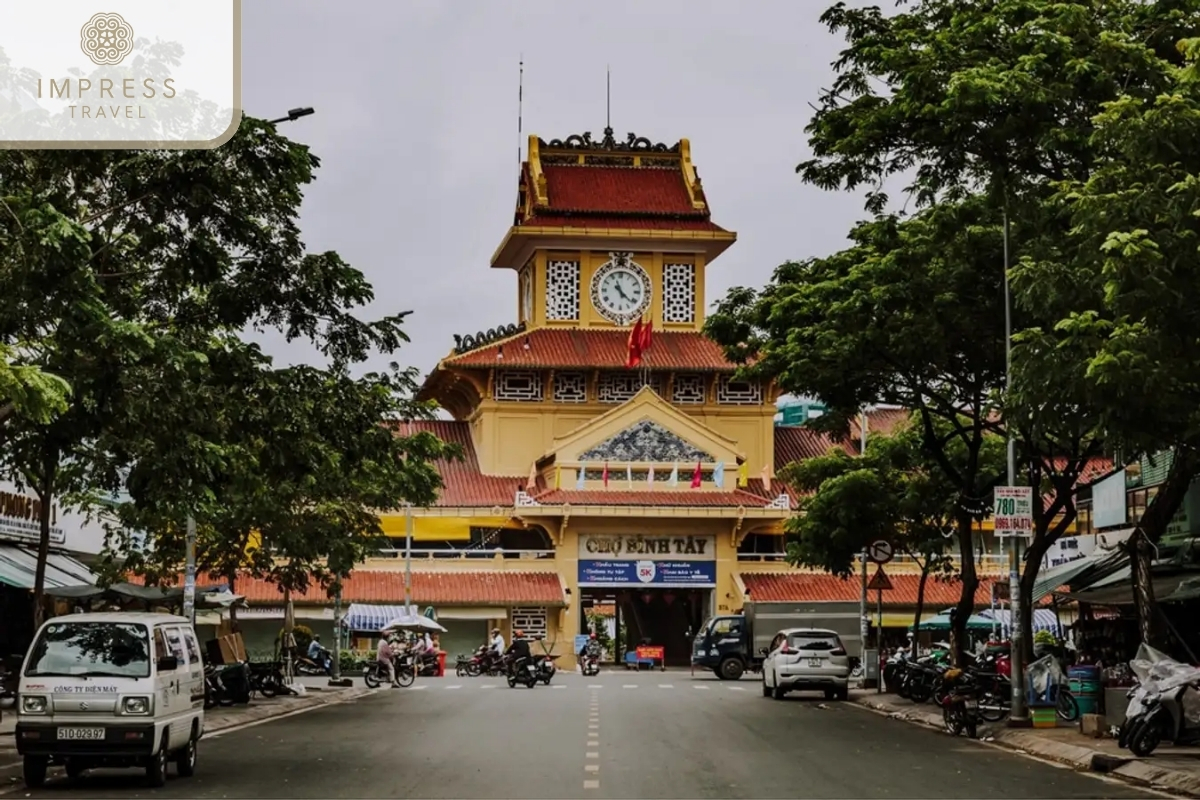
[168, 664]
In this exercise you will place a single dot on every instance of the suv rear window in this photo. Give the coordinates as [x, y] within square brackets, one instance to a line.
[815, 641]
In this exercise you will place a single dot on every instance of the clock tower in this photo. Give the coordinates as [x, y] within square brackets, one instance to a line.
[607, 232]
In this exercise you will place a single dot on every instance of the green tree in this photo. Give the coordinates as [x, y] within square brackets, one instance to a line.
[1121, 310]
[911, 314]
[133, 271]
[892, 492]
[997, 97]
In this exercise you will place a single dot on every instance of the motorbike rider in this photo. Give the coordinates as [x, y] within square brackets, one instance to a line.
[518, 651]
[316, 652]
[590, 652]
[384, 656]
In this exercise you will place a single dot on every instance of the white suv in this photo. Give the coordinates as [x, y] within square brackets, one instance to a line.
[811, 659]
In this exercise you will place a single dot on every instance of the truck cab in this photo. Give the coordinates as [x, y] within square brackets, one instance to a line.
[723, 645]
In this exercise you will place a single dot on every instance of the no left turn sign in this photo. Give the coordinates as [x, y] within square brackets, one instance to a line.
[880, 552]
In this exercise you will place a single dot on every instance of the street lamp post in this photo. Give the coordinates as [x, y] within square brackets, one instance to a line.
[189, 574]
[1018, 716]
[408, 534]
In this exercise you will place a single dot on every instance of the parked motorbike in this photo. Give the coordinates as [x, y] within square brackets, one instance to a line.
[545, 667]
[226, 685]
[960, 704]
[523, 670]
[1162, 706]
[266, 678]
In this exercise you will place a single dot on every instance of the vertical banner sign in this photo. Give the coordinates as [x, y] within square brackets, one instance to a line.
[1012, 511]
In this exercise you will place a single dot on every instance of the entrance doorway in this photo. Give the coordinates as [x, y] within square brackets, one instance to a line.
[648, 615]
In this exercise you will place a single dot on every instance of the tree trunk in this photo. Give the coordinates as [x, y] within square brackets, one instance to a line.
[970, 583]
[920, 605]
[1150, 529]
[45, 492]
[1039, 545]
[1141, 553]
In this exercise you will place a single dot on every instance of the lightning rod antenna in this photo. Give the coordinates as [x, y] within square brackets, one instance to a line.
[520, 109]
[608, 96]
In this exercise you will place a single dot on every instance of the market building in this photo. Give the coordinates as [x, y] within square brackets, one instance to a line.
[590, 484]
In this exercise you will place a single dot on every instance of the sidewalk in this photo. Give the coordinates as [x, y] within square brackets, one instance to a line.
[1170, 769]
[223, 718]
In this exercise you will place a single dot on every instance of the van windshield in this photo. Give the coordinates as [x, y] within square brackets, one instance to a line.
[79, 649]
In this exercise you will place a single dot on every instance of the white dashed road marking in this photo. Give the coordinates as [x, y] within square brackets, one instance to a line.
[666, 686]
[591, 784]
[698, 686]
[593, 754]
[737, 688]
[455, 686]
[592, 767]
[630, 686]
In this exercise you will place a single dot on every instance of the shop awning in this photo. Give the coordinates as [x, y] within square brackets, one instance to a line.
[18, 567]
[1097, 564]
[1044, 619]
[1118, 590]
[371, 619]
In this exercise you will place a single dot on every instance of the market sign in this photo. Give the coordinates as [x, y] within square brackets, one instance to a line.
[626, 573]
[633, 547]
[1012, 511]
[20, 516]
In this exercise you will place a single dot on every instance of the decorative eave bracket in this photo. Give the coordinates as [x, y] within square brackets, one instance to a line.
[690, 180]
[541, 198]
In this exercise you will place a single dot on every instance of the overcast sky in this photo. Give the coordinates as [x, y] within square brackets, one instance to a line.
[416, 126]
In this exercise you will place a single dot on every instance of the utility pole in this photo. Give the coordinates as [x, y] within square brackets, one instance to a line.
[864, 622]
[1019, 715]
[408, 534]
[336, 679]
[189, 573]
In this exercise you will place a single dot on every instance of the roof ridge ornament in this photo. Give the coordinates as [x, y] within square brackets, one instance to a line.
[632, 144]
[469, 342]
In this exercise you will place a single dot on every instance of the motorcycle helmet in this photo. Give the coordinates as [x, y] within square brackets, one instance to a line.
[593, 636]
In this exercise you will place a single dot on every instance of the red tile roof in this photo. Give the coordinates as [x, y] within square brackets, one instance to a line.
[799, 443]
[618, 496]
[600, 222]
[879, 420]
[825, 588]
[463, 588]
[618, 190]
[464, 486]
[566, 348]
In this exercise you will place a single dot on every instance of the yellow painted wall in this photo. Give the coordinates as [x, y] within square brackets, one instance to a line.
[510, 436]
[589, 262]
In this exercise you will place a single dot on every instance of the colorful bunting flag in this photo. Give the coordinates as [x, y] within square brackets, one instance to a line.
[580, 477]
[697, 477]
[719, 474]
[744, 474]
[674, 479]
[605, 474]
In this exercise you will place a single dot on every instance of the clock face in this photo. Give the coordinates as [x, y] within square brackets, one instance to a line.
[621, 290]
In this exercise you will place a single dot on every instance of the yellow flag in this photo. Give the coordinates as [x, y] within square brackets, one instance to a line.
[558, 477]
[744, 474]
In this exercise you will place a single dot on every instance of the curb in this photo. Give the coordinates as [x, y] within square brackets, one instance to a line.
[262, 713]
[1081, 758]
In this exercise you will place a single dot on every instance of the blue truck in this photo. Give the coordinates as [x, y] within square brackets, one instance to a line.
[732, 644]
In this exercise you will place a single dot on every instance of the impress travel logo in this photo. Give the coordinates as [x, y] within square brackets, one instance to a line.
[138, 74]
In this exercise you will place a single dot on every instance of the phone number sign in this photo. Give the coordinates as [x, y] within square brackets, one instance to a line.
[1012, 511]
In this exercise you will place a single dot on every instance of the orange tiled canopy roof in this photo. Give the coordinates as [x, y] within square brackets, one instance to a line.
[564, 348]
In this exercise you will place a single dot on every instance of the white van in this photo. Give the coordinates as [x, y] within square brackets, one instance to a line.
[111, 690]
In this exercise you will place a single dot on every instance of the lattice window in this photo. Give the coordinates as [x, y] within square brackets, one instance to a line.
[570, 387]
[662, 477]
[689, 390]
[732, 392]
[617, 387]
[562, 290]
[530, 621]
[518, 386]
[679, 293]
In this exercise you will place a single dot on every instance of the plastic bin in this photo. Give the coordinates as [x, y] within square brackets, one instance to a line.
[441, 657]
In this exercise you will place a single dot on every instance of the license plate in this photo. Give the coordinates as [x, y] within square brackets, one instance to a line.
[814, 662]
[81, 734]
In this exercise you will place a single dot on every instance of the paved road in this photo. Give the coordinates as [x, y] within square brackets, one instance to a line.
[613, 736]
